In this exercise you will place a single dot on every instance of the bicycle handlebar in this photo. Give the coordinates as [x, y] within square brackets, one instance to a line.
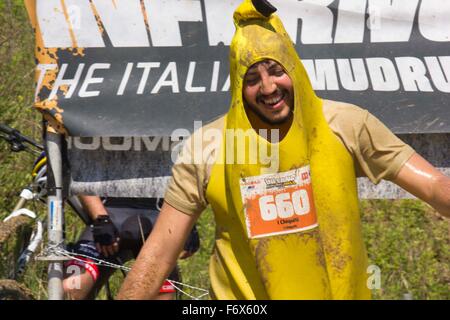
[6, 129]
[17, 139]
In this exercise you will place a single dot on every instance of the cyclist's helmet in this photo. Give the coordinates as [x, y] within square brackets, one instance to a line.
[39, 175]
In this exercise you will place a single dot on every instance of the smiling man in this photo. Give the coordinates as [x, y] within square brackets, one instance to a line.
[269, 97]
[290, 231]
[268, 92]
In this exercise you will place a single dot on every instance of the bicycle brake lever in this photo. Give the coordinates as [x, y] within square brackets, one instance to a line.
[17, 140]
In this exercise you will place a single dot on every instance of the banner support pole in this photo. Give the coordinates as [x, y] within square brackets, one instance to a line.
[55, 215]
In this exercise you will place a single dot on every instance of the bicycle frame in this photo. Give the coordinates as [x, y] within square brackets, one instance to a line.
[55, 209]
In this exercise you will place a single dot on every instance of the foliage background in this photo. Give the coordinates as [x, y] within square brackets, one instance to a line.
[406, 239]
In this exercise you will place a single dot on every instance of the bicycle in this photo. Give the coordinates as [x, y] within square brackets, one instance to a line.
[21, 232]
[19, 225]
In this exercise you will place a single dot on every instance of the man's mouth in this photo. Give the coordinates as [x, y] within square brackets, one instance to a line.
[273, 102]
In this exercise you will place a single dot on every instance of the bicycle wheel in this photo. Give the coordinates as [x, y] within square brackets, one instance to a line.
[14, 237]
[12, 290]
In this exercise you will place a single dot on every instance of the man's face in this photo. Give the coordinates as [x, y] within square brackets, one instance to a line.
[268, 92]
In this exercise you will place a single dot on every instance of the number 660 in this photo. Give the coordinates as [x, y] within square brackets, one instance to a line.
[283, 206]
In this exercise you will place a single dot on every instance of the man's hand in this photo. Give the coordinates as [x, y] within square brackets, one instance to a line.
[105, 236]
[105, 233]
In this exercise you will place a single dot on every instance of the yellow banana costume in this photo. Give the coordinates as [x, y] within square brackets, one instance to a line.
[327, 261]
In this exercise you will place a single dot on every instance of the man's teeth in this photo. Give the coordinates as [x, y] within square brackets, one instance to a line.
[274, 100]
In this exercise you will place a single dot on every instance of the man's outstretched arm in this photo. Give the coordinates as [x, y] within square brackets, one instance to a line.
[158, 255]
[424, 181]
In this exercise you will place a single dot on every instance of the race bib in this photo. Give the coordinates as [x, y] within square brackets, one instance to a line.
[278, 203]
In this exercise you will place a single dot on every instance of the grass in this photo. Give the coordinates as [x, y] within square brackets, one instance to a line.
[194, 270]
[409, 241]
[406, 239]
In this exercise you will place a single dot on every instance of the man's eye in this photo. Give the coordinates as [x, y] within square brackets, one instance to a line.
[278, 72]
[251, 80]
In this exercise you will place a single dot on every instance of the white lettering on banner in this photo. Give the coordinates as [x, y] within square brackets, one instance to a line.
[124, 144]
[79, 144]
[434, 20]
[42, 68]
[60, 81]
[357, 74]
[123, 22]
[215, 76]
[190, 77]
[374, 19]
[83, 93]
[164, 16]
[413, 74]
[150, 143]
[395, 21]
[73, 15]
[167, 143]
[171, 70]
[125, 78]
[322, 74]
[350, 21]
[218, 16]
[53, 24]
[146, 66]
[317, 20]
[226, 86]
[382, 74]
[83, 24]
[440, 72]
[352, 74]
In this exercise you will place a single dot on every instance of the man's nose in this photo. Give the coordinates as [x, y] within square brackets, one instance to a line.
[268, 86]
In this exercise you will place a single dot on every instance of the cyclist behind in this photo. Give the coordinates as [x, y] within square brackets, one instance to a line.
[120, 227]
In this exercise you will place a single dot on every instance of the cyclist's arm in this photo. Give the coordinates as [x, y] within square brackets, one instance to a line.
[95, 208]
[421, 179]
[93, 205]
[158, 255]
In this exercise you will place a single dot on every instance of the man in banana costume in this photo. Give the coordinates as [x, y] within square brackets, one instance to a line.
[279, 171]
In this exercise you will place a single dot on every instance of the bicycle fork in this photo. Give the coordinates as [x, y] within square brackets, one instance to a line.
[36, 236]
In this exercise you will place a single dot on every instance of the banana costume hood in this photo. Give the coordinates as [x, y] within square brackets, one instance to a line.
[292, 232]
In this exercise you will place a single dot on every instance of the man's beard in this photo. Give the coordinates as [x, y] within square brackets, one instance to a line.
[267, 120]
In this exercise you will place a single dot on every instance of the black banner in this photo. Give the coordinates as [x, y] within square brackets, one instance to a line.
[101, 74]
